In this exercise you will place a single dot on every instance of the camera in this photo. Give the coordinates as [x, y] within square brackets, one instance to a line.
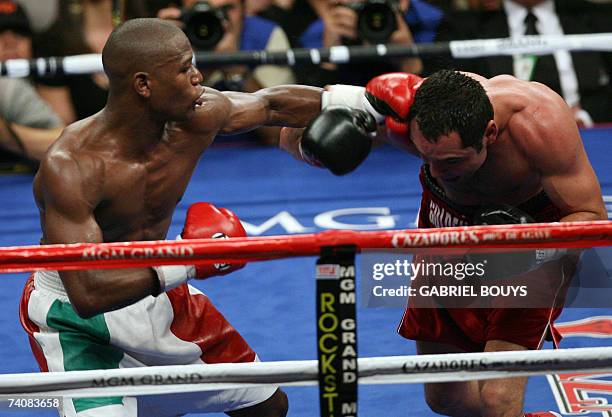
[204, 24]
[376, 19]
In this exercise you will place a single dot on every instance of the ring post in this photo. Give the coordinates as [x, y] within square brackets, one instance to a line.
[337, 331]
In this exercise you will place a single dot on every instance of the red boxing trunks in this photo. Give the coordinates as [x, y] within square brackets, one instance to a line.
[471, 328]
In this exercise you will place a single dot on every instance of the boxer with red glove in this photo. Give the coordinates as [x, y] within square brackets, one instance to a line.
[392, 95]
[203, 221]
[389, 94]
[387, 98]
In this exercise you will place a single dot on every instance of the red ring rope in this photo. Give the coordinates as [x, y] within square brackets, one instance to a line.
[142, 254]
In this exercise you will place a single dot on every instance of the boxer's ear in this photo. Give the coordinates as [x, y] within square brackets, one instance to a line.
[141, 84]
[490, 133]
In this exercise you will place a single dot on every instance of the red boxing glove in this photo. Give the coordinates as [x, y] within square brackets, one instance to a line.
[392, 95]
[396, 127]
[204, 221]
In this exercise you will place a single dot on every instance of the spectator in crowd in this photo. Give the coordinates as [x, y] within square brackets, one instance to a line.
[448, 5]
[242, 32]
[488, 5]
[27, 124]
[82, 27]
[254, 7]
[469, 4]
[15, 32]
[294, 16]
[41, 14]
[582, 78]
[415, 21]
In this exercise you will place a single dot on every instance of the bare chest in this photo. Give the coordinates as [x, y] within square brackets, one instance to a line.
[140, 198]
[501, 180]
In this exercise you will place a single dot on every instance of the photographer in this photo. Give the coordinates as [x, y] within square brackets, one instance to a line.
[27, 125]
[238, 32]
[363, 22]
[80, 27]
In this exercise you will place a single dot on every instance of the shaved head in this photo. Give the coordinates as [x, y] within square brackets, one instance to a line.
[141, 45]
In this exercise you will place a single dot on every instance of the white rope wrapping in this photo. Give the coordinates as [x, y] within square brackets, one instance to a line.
[79, 64]
[380, 370]
[535, 45]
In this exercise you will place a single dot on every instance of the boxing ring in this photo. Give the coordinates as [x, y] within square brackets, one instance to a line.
[273, 303]
[280, 293]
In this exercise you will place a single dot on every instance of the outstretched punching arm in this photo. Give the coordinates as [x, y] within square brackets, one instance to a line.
[234, 112]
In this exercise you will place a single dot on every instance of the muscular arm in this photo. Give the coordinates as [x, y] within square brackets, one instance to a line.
[551, 140]
[69, 190]
[233, 112]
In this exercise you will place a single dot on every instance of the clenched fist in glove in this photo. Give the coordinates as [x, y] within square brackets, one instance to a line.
[203, 221]
[509, 263]
[392, 95]
[339, 138]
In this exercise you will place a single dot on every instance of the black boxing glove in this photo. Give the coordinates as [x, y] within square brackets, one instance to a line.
[339, 139]
[501, 214]
[502, 265]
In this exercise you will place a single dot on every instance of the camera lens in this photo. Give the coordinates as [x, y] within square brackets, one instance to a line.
[205, 30]
[376, 21]
[204, 25]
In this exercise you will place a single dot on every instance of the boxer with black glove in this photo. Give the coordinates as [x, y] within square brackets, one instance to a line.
[339, 139]
[386, 98]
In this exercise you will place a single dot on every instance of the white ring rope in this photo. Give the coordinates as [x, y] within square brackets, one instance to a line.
[379, 370]
[534, 45]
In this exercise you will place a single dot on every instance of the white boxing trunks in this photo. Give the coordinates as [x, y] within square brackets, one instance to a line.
[178, 327]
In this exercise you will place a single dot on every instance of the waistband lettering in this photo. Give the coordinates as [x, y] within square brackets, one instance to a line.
[441, 217]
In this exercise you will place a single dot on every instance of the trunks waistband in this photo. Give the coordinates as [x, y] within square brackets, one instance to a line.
[50, 281]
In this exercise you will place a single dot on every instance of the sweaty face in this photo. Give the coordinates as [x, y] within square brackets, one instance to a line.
[176, 88]
[449, 162]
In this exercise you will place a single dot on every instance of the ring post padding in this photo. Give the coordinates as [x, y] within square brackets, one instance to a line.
[337, 331]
